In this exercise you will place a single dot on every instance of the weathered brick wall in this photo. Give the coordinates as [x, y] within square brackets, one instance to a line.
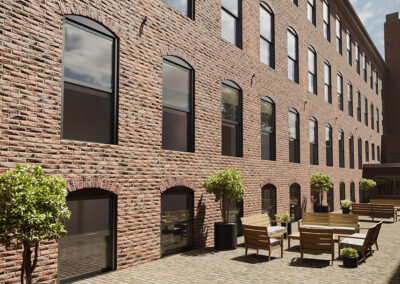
[137, 168]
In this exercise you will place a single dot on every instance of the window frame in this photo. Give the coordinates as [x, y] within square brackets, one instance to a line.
[272, 134]
[372, 152]
[357, 58]
[311, 5]
[372, 116]
[314, 155]
[271, 43]
[328, 85]
[341, 148]
[191, 9]
[366, 151]
[364, 66]
[329, 149]
[339, 39]
[295, 60]
[359, 105]
[351, 151]
[365, 111]
[342, 189]
[376, 81]
[238, 23]
[310, 73]
[349, 48]
[371, 79]
[297, 153]
[377, 119]
[350, 99]
[326, 22]
[340, 91]
[360, 153]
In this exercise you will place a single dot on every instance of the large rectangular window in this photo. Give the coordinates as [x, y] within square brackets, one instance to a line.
[89, 82]
[377, 120]
[364, 67]
[376, 81]
[312, 70]
[360, 161]
[340, 90]
[366, 151]
[313, 141]
[365, 111]
[357, 58]
[231, 29]
[294, 136]
[348, 48]
[351, 151]
[183, 6]
[338, 35]
[341, 148]
[372, 116]
[267, 129]
[328, 143]
[293, 60]
[327, 82]
[358, 106]
[326, 20]
[371, 78]
[311, 11]
[267, 44]
[373, 151]
[350, 98]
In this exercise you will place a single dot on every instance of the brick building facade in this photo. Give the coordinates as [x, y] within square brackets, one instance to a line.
[133, 169]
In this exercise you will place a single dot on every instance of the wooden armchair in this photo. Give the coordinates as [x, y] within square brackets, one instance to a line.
[317, 241]
[257, 237]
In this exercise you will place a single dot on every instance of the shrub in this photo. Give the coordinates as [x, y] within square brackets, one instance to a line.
[367, 184]
[346, 203]
[349, 252]
[320, 183]
[284, 216]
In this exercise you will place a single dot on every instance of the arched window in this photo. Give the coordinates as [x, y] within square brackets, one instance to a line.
[183, 6]
[177, 100]
[327, 82]
[365, 111]
[231, 21]
[360, 161]
[350, 98]
[313, 141]
[373, 151]
[312, 70]
[311, 11]
[351, 151]
[231, 119]
[176, 219]
[293, 55]
[90, 82]
[294, 136]
[352, 192]
[268, 200]
[366, 151]
[295, 201]
[328, 143]
[358, 106]
[341, 148]
[267, 129]
[342, 191]
[340, 90]
[326, 20]
[267, 36]
[91, 234]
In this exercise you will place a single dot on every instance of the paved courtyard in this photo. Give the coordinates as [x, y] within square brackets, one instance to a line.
[210, 266]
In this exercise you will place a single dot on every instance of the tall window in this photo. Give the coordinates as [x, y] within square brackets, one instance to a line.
[372, 116]
[268, 200]
[231, 119]
[90, 82]
[295, 2]
[183, 6]
[377, 120]
[327, 21]
[312, 70]
[294, 136]
[357, 59]
[340, 90]
[350, 98]
[366, 111]
[342, 191]
[381, 86]
[267, 44]
[327, 82]
[364, 66]
[360, 162]
[352, 192]
[373, 151]
[311, 11]
[366, 151]
[378, 153]
[338, 35]
[376, 81]
[177, 100]
[341, 148]
[371, 80]
[351, 151]
[358, 106]
[231, 28]
[293, 61]
[267, 129]
[313, 141]
[348, 47]
[328, 143]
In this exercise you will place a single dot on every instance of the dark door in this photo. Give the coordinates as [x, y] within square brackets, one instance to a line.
[295, 208]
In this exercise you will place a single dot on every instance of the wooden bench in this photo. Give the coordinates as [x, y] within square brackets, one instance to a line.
[395, 202]
[375, 210]
[338, 223]
[317, 241]
[263, 220]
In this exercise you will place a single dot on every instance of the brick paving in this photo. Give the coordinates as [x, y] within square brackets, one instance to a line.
[210, 266]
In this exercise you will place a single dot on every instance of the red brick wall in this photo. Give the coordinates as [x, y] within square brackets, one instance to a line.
[30, 106]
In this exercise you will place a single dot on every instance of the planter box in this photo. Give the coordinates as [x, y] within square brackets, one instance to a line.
[225, 236]
[350, 262]
[345, 210]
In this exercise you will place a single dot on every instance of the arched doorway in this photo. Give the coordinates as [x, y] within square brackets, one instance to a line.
[295, 199]
[176, 219]
[89, 247]
[268, 200]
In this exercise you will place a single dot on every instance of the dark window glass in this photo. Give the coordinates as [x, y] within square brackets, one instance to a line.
[231, 21]
[366, 151]
[267, 129]
[351, 151]
[371, 78]
[328, 143]
[183, 6]
[327, 21]
[311, 11]
[365, 67]
[352, 192]
[338, 36]
[268, 200]
[177, 130]
[313, 141]
[360, 161]
[295, 2]
[342, 191]
[372, 116]
[267, 44]
[378, 153]
[376, 81]
[294, 141]
[341, 148]
[350, 98]
[295, 201]
[357, 59]
[349, 49]
[340, 91]
[231, 120]
[293, 62]
[312, 70]
[327, 83]
[366, 111]
[377, 120]
[330, 200]
[89, 82]
[373, 151]
[358, 106]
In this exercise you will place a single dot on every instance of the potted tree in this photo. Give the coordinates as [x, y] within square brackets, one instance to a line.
[320, 183]
[350, 258]
[346, 205]
[366, 185]
[285, 217]
[226, 185]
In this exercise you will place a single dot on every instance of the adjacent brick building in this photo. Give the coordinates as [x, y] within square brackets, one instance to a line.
[144, 81]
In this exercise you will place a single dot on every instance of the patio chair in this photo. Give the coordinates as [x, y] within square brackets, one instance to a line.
[257, 237]
[317, 241]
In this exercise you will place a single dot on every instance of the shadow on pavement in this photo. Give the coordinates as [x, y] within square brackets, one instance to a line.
[310, 263]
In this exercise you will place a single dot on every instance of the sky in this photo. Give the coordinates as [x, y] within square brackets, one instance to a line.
[373, 15]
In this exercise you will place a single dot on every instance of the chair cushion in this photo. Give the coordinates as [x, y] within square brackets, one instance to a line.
[275, 241]
[316, 227]
[351, 243]
[275, 229]
[349, 229]
[359, 235]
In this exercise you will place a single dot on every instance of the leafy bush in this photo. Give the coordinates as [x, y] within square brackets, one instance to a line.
[226, 185]
[349, 252]
[284, 216]
[320, 183]
[346, 203]
[367, 184]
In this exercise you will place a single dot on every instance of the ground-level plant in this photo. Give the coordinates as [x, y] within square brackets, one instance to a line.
[32, 207]
[284, 216]
[350, 257]
[346, 203]
[320, 183]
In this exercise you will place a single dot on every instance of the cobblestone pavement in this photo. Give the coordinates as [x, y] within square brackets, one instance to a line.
[210, 266]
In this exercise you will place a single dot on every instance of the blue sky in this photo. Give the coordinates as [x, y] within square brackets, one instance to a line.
[373, 15]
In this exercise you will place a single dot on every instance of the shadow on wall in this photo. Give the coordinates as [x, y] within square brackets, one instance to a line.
[200, 230]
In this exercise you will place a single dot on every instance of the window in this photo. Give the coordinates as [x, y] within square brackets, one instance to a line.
[183, 6]
[371, 80]
[372, 116]
[268, 200]
[350, 98]
[373, 151]
[358, 106]
[338, 35]
[267, 129]
[340, 90]
[90, 83]
[366, 151]
[327, 82]
[357, 59]
[377, 120]
[360, 162]
[267, 44]
[366, 111]
[348, 47]
[378, 153]
[312, 70]
[294, 134]
[382, 118]
[376, 82]
[293, 62]
[311, 11]
[327, 21]
[313, 141]
[381, 84]
[365, 67]
[231, 29]
[328, 141]
[341, 148]
[231, 119]
[177, 96]
[295, 201]
[295, 2]
[352, 192]
[342, 191]
[351, 151]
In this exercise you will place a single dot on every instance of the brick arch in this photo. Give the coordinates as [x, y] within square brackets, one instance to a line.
[236, 79]
[92, 182]
[293, 181]
[173, 51]
[176, 181]
[266, 181]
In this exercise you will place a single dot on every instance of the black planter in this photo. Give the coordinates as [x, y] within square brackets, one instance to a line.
[350, 262]
[225, 236]
[321, 209]
[345, 210]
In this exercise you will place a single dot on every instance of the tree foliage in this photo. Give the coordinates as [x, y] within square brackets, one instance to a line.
[320, 182]
[367, 184]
